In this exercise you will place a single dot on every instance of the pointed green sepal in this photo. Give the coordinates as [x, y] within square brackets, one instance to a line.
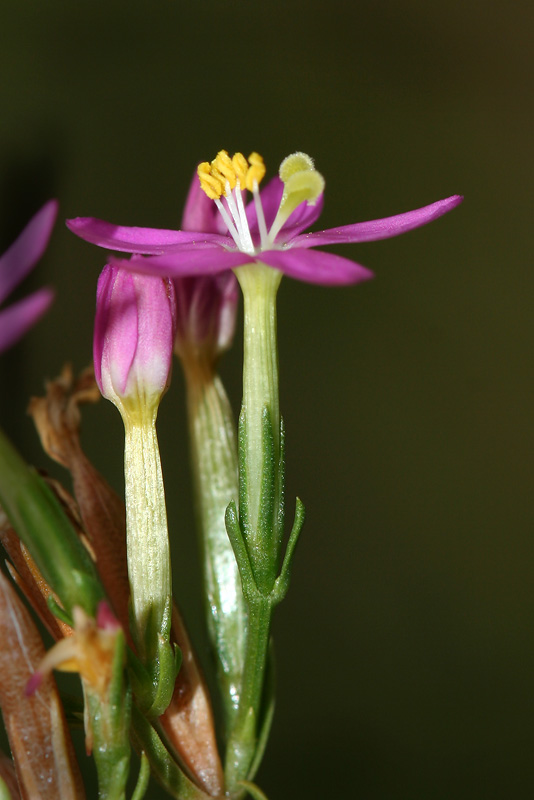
[57, 611]
[237, 540]
[280, 486]
[142, 779]
[254, 791]
[264, 553]
[167, 666]
[282, 582]
[242, 468]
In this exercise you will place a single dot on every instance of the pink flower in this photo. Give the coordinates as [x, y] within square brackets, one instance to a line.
[134, 336]
[15, 264]
[269, 229]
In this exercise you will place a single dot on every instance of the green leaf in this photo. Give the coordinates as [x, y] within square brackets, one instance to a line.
[39, 520]
[163, 766]
[254, 791]
[143, 778]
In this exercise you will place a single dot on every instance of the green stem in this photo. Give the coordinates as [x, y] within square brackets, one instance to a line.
[149, 565]
[215, 471]
[260, 377]
[261, 506]
[243, 739]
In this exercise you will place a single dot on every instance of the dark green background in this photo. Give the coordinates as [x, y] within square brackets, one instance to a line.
[406, 645]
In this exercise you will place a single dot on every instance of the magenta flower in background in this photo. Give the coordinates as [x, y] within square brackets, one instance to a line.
[269, 229]
[15, 264]
[134, 336]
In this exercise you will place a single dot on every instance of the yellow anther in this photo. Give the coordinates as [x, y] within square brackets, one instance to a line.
[223, 169]
[256, 171]
[240, 166]
[211, 185]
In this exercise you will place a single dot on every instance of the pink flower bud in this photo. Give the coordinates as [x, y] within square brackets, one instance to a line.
[206, 314]
[134, 336]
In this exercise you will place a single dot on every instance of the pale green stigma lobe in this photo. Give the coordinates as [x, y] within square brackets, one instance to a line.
[302, 183]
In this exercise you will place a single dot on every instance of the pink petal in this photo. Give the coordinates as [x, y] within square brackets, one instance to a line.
[34, 681]
[271, 196]
[301, 219]
[27, 249]
[189, 261]
[134, 333]
[200, 213]
[206, 311]
[314, 266]
[148, 241]
[379, 228]
[106, 619]
[20, 317]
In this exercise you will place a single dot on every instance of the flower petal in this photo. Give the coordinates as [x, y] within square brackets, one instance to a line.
[189, 261]
[379, 228]
[148, 241]
[301, 219]
[20, 317]
[27, 249]
[200, 213]
[314, 266]
[271, 196]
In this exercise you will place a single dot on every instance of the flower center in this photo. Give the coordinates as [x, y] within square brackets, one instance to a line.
[229, 177]
[225, 179]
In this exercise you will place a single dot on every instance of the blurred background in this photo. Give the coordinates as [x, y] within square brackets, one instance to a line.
[405, 648]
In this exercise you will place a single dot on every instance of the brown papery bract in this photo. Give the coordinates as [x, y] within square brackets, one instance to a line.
[38, 736]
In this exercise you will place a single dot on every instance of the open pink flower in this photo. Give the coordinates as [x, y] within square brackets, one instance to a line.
[269, 229]
[15, 264]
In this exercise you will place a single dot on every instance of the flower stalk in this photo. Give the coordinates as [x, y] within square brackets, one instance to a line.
[133, 344]
[215, 471]
[147, 536]
[256, 531]
[260, 284]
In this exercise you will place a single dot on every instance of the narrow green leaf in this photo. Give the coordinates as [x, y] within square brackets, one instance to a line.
[143, 778]
[254, 791]
[163, 766]
[41, 523]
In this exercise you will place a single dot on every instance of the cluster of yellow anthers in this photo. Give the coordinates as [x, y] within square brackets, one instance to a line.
[223, 169]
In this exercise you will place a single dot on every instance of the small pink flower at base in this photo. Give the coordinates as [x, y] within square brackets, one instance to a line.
[90, 651]
[134, 336]
[18, 260]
